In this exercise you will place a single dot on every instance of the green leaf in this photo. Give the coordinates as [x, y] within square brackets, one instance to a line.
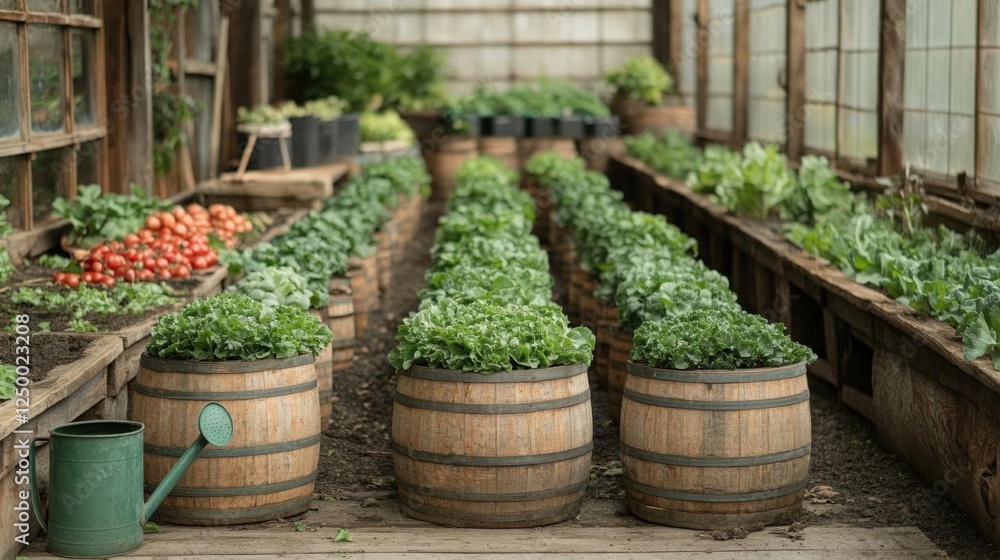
[300, 527]
[978, 338]
[152, 527]
[343, 535]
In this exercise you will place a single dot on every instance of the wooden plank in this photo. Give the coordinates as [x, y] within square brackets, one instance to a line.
[140, 113]
[661, 22]
[676, 39]
[763, 555]
[552, 540]
[795, 111]
[741, 71]
[892, 58]
[701, 68]
[856, 400]
[51, 141]
[218, 87]
[116, 52]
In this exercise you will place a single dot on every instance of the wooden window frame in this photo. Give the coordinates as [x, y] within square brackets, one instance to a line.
[27, 143]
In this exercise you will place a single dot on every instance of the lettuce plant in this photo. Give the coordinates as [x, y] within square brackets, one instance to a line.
[652, 291]
[467, 284]
[485, 337]
[716, 338]
[236, 327]
[282, 286]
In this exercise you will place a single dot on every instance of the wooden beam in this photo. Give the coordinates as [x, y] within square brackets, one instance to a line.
[222, 54]
[244, 62]
[118, 95]
[892, 57]
[281, 29]
[661, 33]
[795, 98]
[981, 146]
[701, 68]
[140, 117]
[308, 14]
[741, 74]
[676, 38]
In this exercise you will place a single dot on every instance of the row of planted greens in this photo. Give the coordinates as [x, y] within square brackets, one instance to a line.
[486, 302]
[876, 241]
[682, 313]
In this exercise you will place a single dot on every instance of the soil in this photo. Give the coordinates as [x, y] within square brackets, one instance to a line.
[46, 351]
[852, 482]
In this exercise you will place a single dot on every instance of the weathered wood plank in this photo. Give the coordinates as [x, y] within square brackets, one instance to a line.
[816, 542]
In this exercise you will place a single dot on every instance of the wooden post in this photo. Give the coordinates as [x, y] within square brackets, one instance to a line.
[892, 57]
[981, 149]
[218, 85]
[663, 35]
[244, 62]
[795, 93]
[140, 117]
[741, 74]
[701, 52]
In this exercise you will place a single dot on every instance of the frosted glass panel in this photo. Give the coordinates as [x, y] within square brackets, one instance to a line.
[720, 65]
[859, 89]
[720, 114]
[687, 65]
[990, 116]
[822, 22]
[766, 97]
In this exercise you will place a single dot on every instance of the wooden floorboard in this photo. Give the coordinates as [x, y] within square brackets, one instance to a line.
[431, 542]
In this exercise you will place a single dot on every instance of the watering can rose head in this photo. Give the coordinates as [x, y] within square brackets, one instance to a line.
[235, 327]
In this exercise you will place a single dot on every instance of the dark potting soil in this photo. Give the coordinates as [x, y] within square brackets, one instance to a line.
[46, 351]
[852, 481]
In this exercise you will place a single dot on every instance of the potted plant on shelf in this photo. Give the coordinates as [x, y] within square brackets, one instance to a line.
[644, 98]
[731, 371]
[328, 110]
[385, 132]
[258, 361]
[421, 89]
[268, 122]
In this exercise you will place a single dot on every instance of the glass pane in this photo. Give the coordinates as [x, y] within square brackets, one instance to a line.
[84, 84]
[43, 6]
[8, 80]
[81, 6]
[48, 181]
[88, 163]
[8, 4]
[45, 68]
[8, 188]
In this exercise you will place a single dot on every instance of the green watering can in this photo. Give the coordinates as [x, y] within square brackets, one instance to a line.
[95, 483]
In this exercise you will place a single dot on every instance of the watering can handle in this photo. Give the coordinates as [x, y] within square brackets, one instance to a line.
[34, 485]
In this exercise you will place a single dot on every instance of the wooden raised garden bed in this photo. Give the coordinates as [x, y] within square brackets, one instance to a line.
[903, 370]
[75, 381]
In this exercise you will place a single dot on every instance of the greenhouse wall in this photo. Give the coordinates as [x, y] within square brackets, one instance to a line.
[503, 42]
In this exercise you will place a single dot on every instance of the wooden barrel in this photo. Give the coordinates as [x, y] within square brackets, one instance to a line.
[359, 293]
[324, 374]
[266, 471]
[443, 159]
[618, 356]
[383, 257]
[711, 449]
[503, 148]
[528, 147]
[340, 317]
[662, 119]
[508, 449]
[607, 322]
[583, 286]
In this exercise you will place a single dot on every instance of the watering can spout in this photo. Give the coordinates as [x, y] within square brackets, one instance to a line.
[216, 427]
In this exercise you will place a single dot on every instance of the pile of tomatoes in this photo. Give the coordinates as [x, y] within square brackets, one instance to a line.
[172, 245]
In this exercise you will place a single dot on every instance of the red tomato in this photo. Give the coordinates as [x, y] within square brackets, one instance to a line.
[162, 263]
[115, 261]
[87, 277]
[153, 223]
[146, 275]
[199, 263]
[97, 266]
[128, 275]
[72, 280]
[149, 263]
[163, 273]
[180, 271]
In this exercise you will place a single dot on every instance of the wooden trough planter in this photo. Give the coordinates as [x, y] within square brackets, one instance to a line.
[67, 393]
[504, 450]
[710, 449]
[903, 370]
[324, 373]
[268, 469]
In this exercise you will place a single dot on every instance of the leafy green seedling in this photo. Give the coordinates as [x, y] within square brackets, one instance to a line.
[343, 535]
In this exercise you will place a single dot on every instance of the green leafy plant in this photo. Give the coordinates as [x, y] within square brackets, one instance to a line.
[467, 284]
[261, 115]
[672, 154]
[820, 192]
[484, 337]
[96, 217]
[652, 291]
[902, 202]
[343, 535]
[236, 327]
[281, 286]
[8, 375]
[641, 77]
[760, 185]
[716, 338]
[714, 163]
[87, 301]
[421, 79]
[326, 109]
[170, 109]
[385, 126]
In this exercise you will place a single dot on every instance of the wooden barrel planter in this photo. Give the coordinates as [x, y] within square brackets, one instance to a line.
[340, 319]
[583, 286]
[660, 119]
[527, 147]
[504, 450]
[618, 357]
[324, 374]
[370, 265]
[268, 469]
[359, 294]
[711, 449]
[607, 323]
[503, 148]
[444, 158]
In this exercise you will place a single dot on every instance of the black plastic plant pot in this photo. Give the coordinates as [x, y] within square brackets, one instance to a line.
[348, 135]
[502, 125]
[328, 141]
[475, 125]
[470, 124]
[540, 127]
[305, 147]
[266, 152]
[571, 126]
[602, 127]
